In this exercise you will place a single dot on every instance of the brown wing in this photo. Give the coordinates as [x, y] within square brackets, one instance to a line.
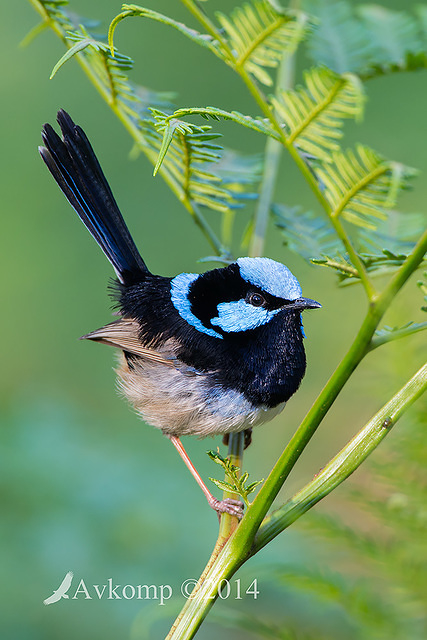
[124, 335]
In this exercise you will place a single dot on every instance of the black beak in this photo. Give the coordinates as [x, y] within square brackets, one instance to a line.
[303, 303]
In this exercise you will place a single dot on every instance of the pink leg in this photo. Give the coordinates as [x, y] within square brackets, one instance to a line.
[233, 507]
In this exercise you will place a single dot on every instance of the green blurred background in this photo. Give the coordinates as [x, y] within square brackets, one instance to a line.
[85, 485]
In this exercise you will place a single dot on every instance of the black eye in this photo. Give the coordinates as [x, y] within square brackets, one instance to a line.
[256, 299]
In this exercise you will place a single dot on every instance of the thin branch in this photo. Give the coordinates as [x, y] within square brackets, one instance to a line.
[235, 454]
[397, 334]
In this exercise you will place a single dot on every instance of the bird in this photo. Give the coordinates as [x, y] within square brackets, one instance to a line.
[200, 354]
[61, 591]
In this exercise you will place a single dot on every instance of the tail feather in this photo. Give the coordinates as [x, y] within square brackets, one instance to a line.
[75, 167]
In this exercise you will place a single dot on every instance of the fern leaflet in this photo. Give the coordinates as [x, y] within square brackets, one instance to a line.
[314, 114]
[360, 186]
[191, 159]
[258, 35]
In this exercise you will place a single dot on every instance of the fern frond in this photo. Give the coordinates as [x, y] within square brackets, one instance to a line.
[398, 234]
[360, 186]
[134, 10]
[304, 233]
[339, 41]
[110, 69]
[393, 555]
[190, 171]
[368, 40]
[314, 114]
[394, 37]
[190, 159]
[353, 596]
[258, 36]
[237, 483]
[261, 125]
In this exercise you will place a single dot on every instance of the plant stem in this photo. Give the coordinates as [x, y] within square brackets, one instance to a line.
[306, 430]
[273, 152]
[345, 463]
[360, 347]
[235, 454]
[397, 334]
[203, 596]
[233, 555]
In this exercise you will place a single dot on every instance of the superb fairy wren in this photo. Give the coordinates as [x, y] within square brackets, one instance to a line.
[202, 354]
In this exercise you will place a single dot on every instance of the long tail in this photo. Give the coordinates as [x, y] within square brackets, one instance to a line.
[76, 169]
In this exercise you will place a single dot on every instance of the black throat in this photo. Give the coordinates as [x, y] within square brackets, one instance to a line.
[266, 364]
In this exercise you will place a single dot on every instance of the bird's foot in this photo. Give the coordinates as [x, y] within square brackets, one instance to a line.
[232, 507]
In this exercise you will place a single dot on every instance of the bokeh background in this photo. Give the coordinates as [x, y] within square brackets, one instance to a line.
[85, 485]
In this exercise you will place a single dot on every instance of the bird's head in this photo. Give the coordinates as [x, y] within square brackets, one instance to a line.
[241, 297]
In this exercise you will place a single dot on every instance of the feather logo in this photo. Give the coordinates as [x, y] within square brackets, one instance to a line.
[61, 591]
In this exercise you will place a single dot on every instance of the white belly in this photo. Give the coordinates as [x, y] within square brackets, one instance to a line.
[180, 401]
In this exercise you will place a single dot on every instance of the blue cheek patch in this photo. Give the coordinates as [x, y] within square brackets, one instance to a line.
[241, 316]
[180, 286]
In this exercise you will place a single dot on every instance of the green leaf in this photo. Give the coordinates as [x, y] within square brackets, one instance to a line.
[224, 486]
[314, 114]
[393, 35]
[109, 68]
[169, 128]
[375, 264]
[305, 233]
[339, 41]
[186, 151]
[347, 273]
[361, 186]
[256, 124]
[398, 234]
[259, 35]
[237, 484]
[368, 40]
[79, 46]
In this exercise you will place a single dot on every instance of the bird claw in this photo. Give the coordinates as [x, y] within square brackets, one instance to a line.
[232, 507]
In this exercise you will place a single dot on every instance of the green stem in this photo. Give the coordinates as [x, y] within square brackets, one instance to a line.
[204, 596]
[271, 487]
[305, 431]
[345, 463]
[235, 454]
[210, 27]
[273, 152]
[397, 334]
[233, 555]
